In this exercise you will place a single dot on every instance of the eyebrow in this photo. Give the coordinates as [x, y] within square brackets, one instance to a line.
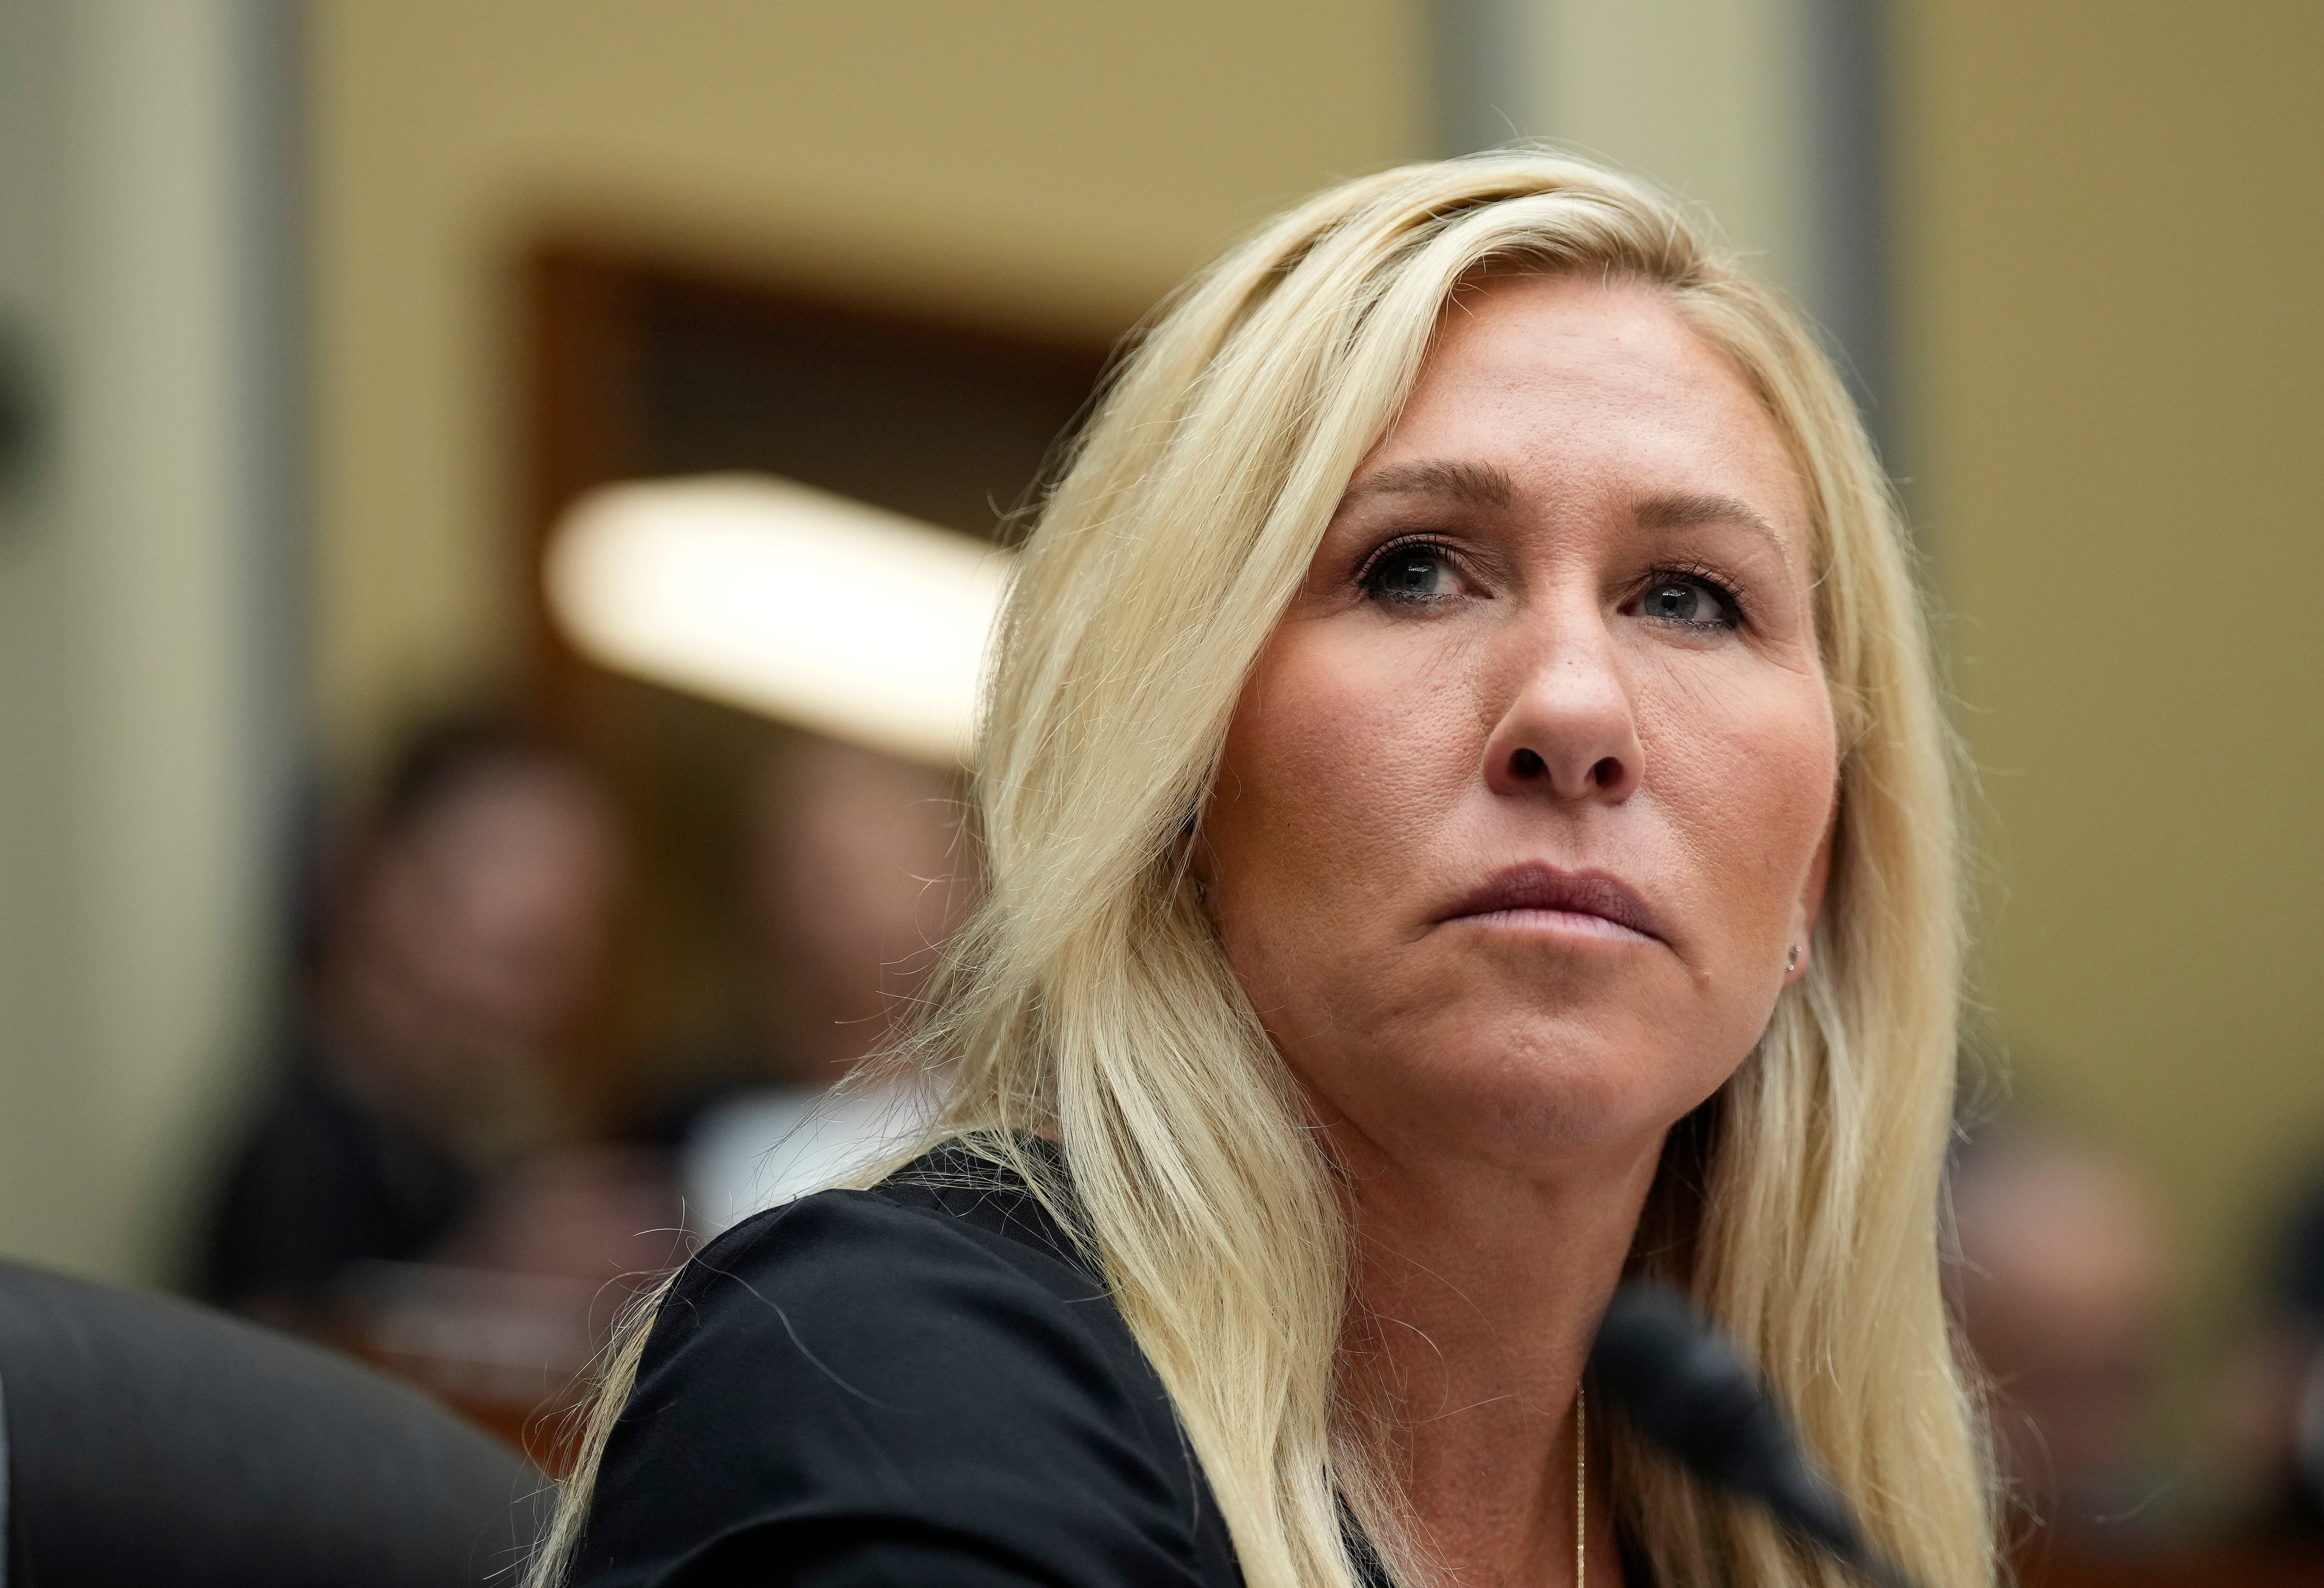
[1682, 508]
[1474, 484]
[1486, 484]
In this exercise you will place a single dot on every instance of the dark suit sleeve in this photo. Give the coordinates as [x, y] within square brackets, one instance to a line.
[855, 1392]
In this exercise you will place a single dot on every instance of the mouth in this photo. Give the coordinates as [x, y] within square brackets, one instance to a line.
[1591, 904]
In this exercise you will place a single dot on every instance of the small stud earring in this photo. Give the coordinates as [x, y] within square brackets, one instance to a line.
[1792, 962]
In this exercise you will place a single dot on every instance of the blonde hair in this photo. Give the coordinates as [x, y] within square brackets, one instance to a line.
[1090, 999]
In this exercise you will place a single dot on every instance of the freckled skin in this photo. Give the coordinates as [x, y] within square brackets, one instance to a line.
[1372, 778]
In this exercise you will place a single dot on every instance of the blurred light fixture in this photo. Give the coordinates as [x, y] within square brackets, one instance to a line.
[786, 600]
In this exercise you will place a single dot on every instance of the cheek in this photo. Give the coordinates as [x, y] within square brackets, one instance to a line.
[1744, 770]
[1339, 770]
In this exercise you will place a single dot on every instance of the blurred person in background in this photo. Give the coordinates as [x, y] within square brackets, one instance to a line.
[851, 884]
[417, 1117]
[2274, 1407]
[2061, 1282]
[2298, 1510]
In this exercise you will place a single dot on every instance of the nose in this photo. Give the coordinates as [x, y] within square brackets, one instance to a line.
[1569, 730]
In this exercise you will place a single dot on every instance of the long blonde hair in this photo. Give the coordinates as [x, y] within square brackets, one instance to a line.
[1089, 1000]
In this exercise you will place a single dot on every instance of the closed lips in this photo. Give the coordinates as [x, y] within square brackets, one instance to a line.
[1545, 888]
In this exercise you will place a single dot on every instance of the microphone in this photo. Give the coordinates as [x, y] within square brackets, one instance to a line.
[1685, 1386]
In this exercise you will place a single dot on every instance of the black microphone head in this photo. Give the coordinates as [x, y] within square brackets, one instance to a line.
[1687, 1389]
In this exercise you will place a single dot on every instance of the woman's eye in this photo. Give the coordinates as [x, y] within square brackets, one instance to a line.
[1694, 602]
[1412, 574]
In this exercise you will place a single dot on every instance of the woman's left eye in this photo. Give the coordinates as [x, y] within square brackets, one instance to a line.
[1691, 602]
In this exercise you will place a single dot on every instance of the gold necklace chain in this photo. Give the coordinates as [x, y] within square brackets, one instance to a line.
[1581, 1484]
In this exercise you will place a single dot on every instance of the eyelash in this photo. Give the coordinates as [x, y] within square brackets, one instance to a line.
[1381, 553]
[1730, 594]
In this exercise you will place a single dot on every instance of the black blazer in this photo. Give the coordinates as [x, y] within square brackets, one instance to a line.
[923, 1383]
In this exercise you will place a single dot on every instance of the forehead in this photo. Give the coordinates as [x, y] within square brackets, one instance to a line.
[1573, 385]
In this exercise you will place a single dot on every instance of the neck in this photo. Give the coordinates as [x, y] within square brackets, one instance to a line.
[1477, 1290]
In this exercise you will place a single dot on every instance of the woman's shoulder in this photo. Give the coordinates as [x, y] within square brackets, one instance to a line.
[951, 1261]
[939, 1218]
[928, 1364]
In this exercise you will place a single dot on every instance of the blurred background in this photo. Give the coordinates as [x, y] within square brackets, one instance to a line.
[377, 959]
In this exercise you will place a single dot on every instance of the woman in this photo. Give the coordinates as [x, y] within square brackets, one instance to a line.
[1467, 818]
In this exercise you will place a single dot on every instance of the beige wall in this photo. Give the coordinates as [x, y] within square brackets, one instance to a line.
[137, 640]
[1048, 162]
[2114, 214]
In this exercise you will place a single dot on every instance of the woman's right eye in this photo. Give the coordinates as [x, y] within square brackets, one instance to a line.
[1412, 575]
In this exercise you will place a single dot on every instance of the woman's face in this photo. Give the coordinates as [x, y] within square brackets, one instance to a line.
[1530, 792]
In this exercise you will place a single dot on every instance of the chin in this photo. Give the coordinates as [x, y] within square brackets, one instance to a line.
[1523, 1097]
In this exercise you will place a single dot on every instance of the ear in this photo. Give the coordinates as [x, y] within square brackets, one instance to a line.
[1191, 853]
[1809, 906]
